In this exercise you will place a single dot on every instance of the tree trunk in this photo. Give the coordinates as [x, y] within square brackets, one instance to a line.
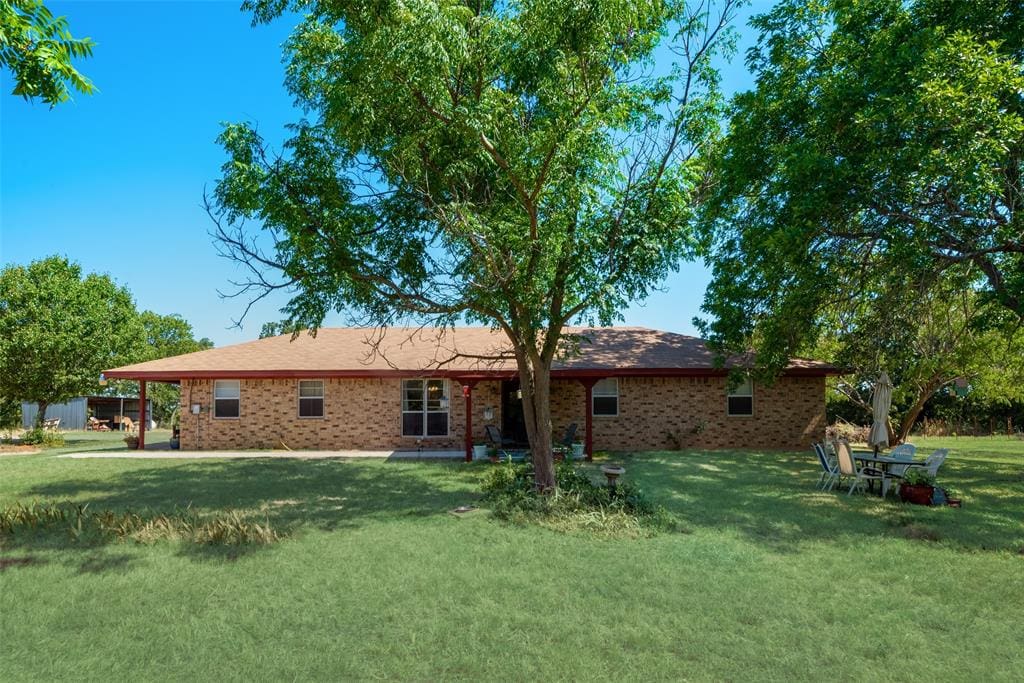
[41, 407]
[926, 392]
[535, 382]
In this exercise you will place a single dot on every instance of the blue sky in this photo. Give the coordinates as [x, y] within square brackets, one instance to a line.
[115, 181]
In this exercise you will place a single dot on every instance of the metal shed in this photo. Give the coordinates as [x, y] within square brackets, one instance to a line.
[75, 413]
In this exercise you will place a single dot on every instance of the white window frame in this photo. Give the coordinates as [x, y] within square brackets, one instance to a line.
[738, 392]
[426, 412]
[595, 393]
[322, 397]
[238, 398]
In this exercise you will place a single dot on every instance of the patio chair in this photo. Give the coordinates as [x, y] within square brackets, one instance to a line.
[904, 450]
[496, 439]
[570, 435]
[933, 462]
[829, 467]
[848, 467]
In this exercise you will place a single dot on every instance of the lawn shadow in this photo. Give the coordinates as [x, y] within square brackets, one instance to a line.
[770, 498]
[289, 495]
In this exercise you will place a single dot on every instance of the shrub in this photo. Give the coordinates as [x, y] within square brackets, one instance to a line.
[915, 476]
[43, 437]
[83, 525]
[578, 503]
[848, 432]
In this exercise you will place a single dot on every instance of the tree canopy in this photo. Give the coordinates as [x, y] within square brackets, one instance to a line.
[521, 165]
[880, 149]
[38, 49]
[163, 336]
[59, 329]
[927, 342]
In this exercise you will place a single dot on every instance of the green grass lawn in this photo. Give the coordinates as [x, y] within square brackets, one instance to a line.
[769, 579]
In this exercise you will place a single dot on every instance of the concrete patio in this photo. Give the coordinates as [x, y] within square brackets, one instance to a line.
[167, 454]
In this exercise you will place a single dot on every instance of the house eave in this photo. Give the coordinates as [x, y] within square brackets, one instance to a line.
[469, 375]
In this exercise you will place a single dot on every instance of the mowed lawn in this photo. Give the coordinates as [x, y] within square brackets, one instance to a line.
[376, 579]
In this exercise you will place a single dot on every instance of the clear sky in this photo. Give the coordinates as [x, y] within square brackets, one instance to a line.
[115, 181]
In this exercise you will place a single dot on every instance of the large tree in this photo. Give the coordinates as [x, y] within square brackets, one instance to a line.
[882, 142]
[518, 164]
[39, 51]
[59, 330]
[162, 336]
[927, 341]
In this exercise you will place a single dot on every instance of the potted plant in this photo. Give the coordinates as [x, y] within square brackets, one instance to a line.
[559, 452]
[577, 450]
[479, 451]
[917, 487]
[132, 441]
[492, 453]
[952, 497]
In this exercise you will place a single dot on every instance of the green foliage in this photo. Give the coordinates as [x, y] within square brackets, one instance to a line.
[47, 438]
[38, 49]
[917, 476]
[229, 528]
[520, 165]
[925, 341]
[59, 330]
[10, 413]
[576, 504]
[876, 160]
[164, 335]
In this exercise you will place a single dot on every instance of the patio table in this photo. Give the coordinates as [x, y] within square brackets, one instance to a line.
[884, 462]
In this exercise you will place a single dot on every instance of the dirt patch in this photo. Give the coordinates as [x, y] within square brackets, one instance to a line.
[918, 532]
[16, 449]
[9, 562]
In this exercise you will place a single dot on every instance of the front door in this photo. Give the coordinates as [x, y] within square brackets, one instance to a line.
[513, 423]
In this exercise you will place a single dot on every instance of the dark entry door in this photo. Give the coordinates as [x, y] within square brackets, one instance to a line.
[513, 424]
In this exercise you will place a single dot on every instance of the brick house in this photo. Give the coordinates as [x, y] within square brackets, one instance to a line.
[628, 388]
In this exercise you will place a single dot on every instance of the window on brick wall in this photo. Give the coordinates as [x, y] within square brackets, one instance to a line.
[741, 400]
[605, 398]
[311, 398]
[425, 407]
[227, 394]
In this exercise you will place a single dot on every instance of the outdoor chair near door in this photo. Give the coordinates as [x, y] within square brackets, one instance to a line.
[496, 439]
[848, 467]
[570, 435]
[829, 467]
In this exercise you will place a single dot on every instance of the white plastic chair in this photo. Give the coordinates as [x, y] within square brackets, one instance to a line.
[934, 461]
[904, 450]
[861, 475]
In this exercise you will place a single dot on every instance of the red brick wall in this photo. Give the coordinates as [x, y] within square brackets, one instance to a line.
[358, 414]
[690, 412]
[654, 414]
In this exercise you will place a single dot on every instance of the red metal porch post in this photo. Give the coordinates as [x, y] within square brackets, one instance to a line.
[142, 415]
[467, 393]
[588, 441]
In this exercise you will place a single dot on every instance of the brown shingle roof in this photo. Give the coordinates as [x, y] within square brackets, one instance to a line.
[404, 351]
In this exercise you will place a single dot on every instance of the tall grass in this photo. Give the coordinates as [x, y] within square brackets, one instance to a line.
[84, 525]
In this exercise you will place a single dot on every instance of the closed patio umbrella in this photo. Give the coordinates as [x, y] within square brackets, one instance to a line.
[881, 401]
